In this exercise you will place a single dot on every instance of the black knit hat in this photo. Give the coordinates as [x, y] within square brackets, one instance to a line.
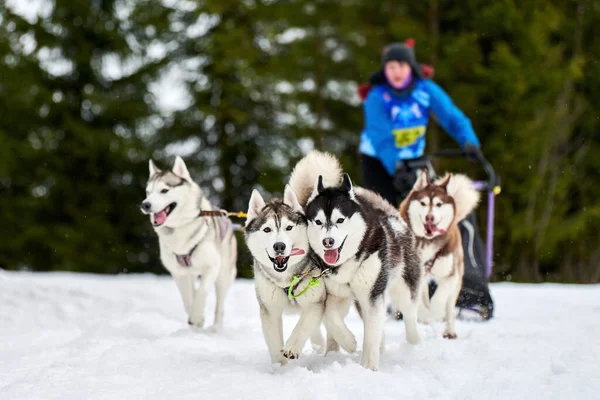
[401, 52]
[398, 52]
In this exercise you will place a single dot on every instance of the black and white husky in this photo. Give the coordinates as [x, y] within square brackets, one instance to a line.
[191, 245]
[275, 234]
[371, 252]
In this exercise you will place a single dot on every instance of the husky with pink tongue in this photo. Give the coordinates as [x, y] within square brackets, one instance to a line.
[191, 244]
[275, 234]
[433, 211]
[371, 253]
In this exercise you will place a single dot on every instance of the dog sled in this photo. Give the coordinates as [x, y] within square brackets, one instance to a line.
[475, 296]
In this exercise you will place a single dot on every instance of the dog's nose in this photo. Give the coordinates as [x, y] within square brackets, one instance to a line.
[328, 243]
[429, 218]
[146, 206]
[279, 247]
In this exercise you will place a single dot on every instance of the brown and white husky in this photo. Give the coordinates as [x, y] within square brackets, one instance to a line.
[433, 211]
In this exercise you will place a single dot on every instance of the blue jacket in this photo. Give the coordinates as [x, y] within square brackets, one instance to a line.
[395, 124]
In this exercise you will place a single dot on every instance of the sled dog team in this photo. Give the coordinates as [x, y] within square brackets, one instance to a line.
[322, 247]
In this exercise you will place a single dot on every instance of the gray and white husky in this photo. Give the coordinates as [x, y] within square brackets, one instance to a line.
[275, 234]
[371, 252]
[191, 245]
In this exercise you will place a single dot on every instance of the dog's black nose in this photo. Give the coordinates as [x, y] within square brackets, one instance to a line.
[328, 243]
[429, 218]
[146, 206]
[279, 247]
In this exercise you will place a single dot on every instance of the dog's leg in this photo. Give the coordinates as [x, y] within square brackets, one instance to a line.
[316, 339]
[423, 301]
[374, 319]
[450, 333]
[310, 318]
[336, 308]
[185, 285]
[439, 301]
[207, 281]
[221, 288]
[272, 327]
[408, 304]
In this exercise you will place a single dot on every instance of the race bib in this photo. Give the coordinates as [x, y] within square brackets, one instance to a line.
[407, 136]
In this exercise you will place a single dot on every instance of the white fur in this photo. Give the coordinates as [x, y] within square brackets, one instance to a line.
[290, 198]
[307, 170]
[446, 270]
[180, 169]
[466, 197]
[213, 260]
[355, 278]
[351, 232]
[254, 206]
[272, 299]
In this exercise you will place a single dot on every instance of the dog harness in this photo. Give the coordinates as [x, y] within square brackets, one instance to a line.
[429, 263]
[186, 259]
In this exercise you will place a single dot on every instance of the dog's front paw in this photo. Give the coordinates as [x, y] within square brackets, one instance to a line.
[450, 335]
[215, 329]
[332, 345]
[197, 321]
[290, 352]
[349, 343]
[370, 364]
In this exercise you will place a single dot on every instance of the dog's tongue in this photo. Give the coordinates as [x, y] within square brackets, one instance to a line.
[331, 256]
[431, 228]
[280, 260]
[296, 252]
[160, 217]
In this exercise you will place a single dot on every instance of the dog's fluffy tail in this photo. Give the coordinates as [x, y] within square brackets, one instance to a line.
[466, 197]
[306, 173]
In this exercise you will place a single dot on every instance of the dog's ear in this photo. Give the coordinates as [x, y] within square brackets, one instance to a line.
[255, 205]
[422, 181]
[450, 184]
[318, 189]
[180, 169]
[290, 199]
[153, 169]
[444, 183]
[346, 185]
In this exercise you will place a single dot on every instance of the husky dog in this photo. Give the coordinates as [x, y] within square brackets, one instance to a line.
[371, 252]
[433, 211]
[275, 234]
[191, 245]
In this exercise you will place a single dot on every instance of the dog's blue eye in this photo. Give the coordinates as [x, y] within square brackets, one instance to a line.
[289, 228]
[267, 230]
[318, 222]
[340, 220]
[164, 190]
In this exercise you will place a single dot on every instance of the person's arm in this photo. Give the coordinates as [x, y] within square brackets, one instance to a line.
[450, 117]
[378, 128]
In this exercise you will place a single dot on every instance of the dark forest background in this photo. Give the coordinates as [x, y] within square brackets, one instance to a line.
[90, 90]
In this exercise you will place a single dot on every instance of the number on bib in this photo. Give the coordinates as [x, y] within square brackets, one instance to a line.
[407, 136]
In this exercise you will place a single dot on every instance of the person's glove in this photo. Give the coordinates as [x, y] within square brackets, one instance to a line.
[473, 152]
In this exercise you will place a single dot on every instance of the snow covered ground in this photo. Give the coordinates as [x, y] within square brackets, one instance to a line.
[70, 336]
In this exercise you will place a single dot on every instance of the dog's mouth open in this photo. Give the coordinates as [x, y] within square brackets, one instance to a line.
[431, 229]
[333, 255]
[160, 217]
[280, 263]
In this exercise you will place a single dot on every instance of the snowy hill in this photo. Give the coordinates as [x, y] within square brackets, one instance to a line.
[69, 336]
